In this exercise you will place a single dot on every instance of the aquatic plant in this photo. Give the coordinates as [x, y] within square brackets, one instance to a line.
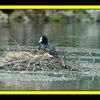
[35, 61]
[20, 59]
[57, 18]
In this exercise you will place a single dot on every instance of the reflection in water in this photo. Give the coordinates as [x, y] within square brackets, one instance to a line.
[83, 84]
[25, 85]
[61, 34]
[91, 34]
[26, 34]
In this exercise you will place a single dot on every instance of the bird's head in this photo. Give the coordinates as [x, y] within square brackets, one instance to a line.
[43, 40]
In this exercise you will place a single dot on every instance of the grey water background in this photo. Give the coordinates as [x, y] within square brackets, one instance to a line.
[72, 35]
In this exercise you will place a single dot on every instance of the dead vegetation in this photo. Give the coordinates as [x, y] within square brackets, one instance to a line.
[33, 61]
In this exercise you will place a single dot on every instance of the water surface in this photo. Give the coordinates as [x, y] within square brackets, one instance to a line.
[71, 37]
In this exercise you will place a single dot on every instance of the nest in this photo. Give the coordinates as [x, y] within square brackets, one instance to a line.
[34, 61]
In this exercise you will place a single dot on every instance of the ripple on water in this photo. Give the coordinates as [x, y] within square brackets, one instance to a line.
[87, 69]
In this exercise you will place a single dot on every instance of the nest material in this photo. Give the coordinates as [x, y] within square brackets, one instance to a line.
[22, 60]
[23, 55]
[13, 56]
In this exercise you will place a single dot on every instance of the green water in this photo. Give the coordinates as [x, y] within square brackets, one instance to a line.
[63, 35]
[85, 35]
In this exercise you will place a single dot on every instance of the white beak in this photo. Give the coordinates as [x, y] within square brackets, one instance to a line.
[40, 40]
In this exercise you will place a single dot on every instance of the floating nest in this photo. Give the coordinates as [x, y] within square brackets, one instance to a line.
[35, 61]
